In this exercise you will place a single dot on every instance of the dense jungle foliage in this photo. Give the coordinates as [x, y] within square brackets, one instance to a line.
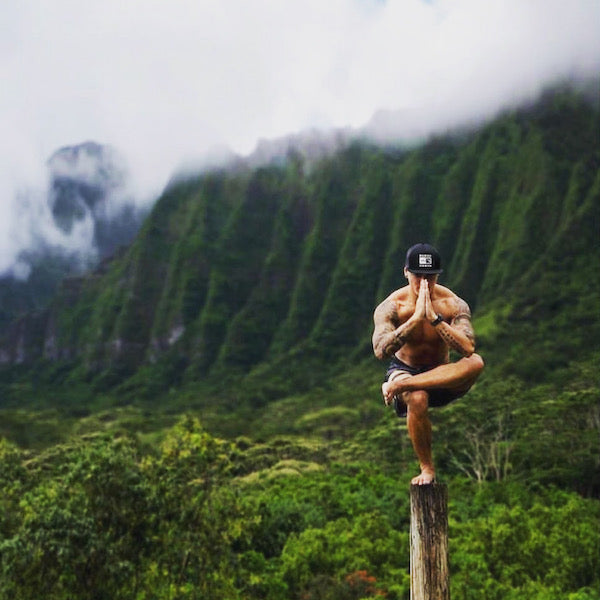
[203, 418]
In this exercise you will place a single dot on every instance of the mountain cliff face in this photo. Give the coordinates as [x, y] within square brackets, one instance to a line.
[89, 182]
[235, 270]
[88, 214]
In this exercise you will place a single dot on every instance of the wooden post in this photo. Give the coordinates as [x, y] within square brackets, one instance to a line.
[429, 575]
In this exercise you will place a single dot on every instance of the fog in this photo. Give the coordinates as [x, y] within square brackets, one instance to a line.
[172, 83]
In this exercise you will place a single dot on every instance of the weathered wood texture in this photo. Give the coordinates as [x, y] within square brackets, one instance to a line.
[429, 575]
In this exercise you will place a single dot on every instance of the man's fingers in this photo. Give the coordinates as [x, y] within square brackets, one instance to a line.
[428, 300]
[423, 290]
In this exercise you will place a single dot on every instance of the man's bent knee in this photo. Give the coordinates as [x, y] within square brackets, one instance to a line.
[475, 362]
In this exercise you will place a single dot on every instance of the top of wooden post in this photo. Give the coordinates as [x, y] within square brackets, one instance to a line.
[429, 542]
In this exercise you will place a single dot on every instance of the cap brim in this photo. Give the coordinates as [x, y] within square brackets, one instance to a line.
[426, 271]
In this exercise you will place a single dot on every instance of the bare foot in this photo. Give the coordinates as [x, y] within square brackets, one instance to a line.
[426, 477]
[393, 388]
[388, 396]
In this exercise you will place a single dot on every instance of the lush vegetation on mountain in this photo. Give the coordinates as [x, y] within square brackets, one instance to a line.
[245, 303]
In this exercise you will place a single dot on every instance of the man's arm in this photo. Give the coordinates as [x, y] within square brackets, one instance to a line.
[459, 334]
[388, 338]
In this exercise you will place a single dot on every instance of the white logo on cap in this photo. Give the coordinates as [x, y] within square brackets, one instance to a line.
[425, 260]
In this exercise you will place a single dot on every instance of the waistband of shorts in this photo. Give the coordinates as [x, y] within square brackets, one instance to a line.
[397, 364]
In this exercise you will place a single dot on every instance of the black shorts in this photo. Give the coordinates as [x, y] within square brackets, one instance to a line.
[437, 397]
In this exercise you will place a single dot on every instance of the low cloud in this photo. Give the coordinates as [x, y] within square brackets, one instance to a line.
[82, 212]
[164, 83]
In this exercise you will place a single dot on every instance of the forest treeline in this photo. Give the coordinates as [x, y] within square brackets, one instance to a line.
[199, 517]
[202, 417]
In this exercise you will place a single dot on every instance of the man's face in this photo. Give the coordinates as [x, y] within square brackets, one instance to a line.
[414, 280]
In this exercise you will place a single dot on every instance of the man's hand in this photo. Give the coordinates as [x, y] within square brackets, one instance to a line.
[424, 306]
[430, 313]
[421, 304]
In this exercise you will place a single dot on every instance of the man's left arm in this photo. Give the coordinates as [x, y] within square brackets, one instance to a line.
[458, 333]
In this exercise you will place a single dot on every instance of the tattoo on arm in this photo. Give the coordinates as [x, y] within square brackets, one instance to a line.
[449, 335]
[459, 335]
[388, 337]
[397, 340]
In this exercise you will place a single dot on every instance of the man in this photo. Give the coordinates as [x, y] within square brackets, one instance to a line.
[417, 326]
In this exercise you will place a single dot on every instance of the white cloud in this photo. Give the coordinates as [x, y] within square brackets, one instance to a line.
[164, 82]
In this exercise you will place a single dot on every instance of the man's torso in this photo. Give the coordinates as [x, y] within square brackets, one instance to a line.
[424, 347]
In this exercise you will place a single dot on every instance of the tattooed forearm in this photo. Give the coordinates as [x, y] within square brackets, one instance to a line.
[388, 344]
[462, 322]
[459, 336]
[388, 337]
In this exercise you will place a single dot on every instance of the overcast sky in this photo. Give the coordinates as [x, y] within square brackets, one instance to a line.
[167, 81]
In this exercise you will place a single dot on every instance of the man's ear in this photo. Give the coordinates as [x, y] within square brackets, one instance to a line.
[406, 272]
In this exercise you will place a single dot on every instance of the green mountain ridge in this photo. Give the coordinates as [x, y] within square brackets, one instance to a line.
[233, 269]
[202, 417]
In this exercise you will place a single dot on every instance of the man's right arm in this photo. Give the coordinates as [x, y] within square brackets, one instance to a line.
[388, 337]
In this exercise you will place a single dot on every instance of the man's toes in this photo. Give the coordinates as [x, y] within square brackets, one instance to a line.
[387, 398]
[424, 478]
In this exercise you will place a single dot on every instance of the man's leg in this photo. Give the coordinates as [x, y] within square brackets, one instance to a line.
[419, 430]
[417, 420]
[458, 376]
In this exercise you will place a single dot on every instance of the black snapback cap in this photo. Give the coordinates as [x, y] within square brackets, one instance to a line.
[423, 259]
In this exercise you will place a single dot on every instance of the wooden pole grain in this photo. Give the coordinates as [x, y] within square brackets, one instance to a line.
[429, 574]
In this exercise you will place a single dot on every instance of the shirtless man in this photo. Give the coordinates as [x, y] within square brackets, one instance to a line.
[415, 327]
